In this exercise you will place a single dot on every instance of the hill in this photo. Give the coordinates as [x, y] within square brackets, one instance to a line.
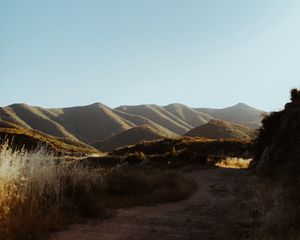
[140, 121]
[159, 115]
[34, 118]
[97, 122]
[91, 123]
[87, 123]
[218, 129]
[189, 115]
[128, 137]
[29, 139]
[239, 113]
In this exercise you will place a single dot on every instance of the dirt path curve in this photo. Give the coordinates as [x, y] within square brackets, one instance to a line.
[202, 216]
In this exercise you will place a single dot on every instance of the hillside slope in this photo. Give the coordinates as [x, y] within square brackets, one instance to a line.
[140, 121]
[218, 129]
[30, 139]
[91, 123]
[277, 145]
[97, 122]
[189, 115]
[159, 115]
[129, 137]
[34, 118]
[239, 113]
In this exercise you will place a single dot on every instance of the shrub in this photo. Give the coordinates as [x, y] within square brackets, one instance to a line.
[136, 157]
[295, 94]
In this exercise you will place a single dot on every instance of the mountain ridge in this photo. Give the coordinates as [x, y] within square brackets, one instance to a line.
[97, 122]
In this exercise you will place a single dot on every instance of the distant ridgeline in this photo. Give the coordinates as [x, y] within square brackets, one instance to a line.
[107, 129]
[278, 142]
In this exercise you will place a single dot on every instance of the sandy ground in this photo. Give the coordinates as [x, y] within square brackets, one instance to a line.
[202, 216]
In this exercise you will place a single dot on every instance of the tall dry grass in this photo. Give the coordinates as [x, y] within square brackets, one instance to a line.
[38, 194]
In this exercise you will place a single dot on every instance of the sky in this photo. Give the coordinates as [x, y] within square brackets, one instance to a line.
[213, 53]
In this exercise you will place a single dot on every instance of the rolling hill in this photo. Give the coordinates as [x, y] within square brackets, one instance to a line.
[158, 115]
[189, 115]
[239, 113]
[30, 139]
[97, 122]
[34, 118]
[140, 120]
[91, 123]
[220, 129]
[128, 137]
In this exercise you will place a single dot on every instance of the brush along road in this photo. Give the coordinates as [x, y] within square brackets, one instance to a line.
[204, 215]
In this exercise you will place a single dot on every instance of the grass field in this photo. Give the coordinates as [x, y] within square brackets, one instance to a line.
[38, 195]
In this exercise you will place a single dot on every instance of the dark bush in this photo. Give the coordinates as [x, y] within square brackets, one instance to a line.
[295, 95]
[135, 158]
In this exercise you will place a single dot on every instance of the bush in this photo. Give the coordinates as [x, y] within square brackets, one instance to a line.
[136, 157]
[295, 94]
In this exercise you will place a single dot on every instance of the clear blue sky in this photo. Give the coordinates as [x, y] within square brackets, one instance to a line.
[212, 53]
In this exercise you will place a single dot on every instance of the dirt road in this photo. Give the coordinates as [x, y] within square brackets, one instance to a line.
[202, 216]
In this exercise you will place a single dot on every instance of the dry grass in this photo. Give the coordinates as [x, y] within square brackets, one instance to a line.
[38, 195]
[147, 187]
[265, 211]
[31, 139]
[230, 162]
[34, 190]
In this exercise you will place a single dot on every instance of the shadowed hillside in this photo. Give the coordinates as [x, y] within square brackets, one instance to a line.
[276, 162]
[91, 123]
[35, 118]
[158, 115]
[140, 121]
[128, 137]
[217, 129]
[189, 148]
[97, 122]
[20, 137]
[240, 114]
[189, 115]
[277, 145]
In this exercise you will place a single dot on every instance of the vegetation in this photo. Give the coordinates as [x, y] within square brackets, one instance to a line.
[278, 138]
[277, 156]
[20, 137]
[38, 195]
[239, 163]
[187, 150]
[295, 95]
